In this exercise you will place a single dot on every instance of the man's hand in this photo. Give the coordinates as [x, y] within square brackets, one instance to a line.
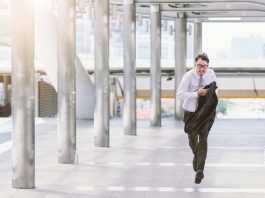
[202, 92]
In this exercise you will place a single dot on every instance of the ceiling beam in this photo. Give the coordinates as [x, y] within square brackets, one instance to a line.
[249, 12]
[214, 7]
[260, 2]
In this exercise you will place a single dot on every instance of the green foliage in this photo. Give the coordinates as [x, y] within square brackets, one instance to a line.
[222, 107]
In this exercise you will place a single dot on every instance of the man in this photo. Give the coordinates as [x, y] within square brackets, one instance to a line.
[191, 88]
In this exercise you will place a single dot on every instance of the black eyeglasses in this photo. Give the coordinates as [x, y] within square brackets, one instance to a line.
[200, 66]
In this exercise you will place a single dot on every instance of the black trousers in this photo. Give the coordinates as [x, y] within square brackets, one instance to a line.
[198, 144]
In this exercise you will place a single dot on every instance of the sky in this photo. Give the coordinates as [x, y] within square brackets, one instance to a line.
[217, 36]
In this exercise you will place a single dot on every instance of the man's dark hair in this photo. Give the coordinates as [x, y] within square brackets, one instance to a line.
[202, 56]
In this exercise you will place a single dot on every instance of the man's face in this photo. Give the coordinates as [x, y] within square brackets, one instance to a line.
[201, 67]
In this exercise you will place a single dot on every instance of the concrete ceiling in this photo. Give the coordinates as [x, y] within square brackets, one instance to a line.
[194, 10]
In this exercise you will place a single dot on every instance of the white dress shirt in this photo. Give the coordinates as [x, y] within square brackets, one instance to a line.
[187, 90]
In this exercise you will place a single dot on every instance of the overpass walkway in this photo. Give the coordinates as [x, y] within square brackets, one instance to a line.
[155, 163]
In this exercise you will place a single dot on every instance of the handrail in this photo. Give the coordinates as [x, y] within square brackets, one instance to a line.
[225, 72]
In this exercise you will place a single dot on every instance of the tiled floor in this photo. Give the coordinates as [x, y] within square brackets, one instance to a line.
[155, 163]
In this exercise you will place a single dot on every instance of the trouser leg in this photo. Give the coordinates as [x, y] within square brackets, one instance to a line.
[202, 149]
[193, 141]
[193, 138]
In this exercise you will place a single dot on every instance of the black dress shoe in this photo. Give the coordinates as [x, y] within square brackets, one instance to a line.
[199, 176]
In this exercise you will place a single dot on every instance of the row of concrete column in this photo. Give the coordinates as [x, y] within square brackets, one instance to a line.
[23, 134]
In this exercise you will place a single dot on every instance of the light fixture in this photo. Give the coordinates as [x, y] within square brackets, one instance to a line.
[224, 18]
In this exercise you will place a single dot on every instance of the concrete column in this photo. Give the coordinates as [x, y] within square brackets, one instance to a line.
[180, 58]
[155, 67]
[197, 38]
[101, 117]
[129, 103]
[23, 134]
[66, 82]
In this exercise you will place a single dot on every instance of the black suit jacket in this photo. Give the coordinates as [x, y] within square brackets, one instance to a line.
[202, 119]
